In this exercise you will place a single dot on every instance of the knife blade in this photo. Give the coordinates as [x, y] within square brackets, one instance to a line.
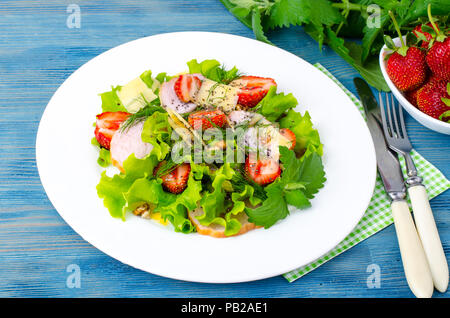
[387, 162]
[415, 265]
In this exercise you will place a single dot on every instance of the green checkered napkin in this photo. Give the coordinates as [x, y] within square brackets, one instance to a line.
[378, 214]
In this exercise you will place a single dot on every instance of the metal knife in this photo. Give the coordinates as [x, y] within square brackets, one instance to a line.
[415, 265]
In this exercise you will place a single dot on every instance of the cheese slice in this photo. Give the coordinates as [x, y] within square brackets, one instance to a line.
[135, 95]
[215, 95]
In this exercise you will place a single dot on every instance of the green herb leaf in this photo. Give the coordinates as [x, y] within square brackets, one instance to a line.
[307, 138]
[273, 105]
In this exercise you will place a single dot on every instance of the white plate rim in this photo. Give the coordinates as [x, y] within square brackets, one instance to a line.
[86, 236]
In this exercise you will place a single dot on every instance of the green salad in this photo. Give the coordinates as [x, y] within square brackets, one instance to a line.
[211, 150]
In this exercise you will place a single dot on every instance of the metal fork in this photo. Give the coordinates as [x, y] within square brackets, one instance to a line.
[397, 139]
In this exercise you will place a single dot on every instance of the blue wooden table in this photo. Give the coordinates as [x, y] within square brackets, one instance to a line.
[38, 51]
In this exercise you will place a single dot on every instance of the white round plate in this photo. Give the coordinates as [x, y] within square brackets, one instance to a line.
[69, 172]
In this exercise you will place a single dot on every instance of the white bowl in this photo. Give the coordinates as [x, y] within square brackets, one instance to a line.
[424, 119]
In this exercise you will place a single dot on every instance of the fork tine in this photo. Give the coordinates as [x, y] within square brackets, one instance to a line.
[389, 116]
[383, 115]
[394, 111]
[402, 122]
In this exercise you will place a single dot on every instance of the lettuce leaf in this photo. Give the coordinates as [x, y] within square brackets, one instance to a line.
[145, 190]
[146, 77]
[104, 156]
[213, 70]
[307, 138]
[176, 210]
[216, 203]
[111, 102]
[273, 105]
[112, 189]
[213, 203]
[157, 131]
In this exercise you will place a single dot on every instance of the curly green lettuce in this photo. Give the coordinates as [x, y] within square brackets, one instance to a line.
[112, 189]
[157, 131]
[104, 156]
[273, 105]
[307, 138]
[213, 70]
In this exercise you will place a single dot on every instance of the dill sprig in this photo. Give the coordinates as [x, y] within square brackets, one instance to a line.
[227, 76]
[239, 181]
[167, 166]
[141, 115]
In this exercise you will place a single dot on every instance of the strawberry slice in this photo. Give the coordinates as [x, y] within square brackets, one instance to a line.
[253, 89]
[262, 171]
[107, 124]
[186, 86]
[207, 119]
[176, 180]
[289, 135]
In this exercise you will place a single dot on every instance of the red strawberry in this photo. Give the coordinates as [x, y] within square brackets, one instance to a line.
[262, 171]
[107, 124]
[408, 71]
[406, 67]
[176, 180]
[438, 59]
[430, 99]
[252, 89]
[422, 35]
[288, 134]
[207, 119]
[411, 96]
[186, 86]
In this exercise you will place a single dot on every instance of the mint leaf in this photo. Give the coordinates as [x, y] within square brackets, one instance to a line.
[257, 27]
[296, 12]
[352, 53]
[273, 209]
[308, 171]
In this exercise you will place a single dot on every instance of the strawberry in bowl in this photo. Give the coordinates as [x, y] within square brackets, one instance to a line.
[416, 68]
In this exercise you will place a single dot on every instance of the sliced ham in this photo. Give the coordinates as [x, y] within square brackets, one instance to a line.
[169, 98]
[126, 142]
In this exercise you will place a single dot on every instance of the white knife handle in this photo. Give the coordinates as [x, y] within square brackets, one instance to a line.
[428, 233]
[415, 264]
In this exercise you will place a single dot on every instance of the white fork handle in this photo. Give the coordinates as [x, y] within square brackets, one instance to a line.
[415, 264]
[428, 233]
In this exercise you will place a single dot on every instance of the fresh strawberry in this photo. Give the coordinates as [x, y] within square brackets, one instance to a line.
[107, 124]
[176, 180]
[411, 96]
[186, 86]
[205, 119]
[406, 67]
[422, 35]
[252, 89]
[262, 171]
[438, 59]
[289, 135]
[432, 98]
